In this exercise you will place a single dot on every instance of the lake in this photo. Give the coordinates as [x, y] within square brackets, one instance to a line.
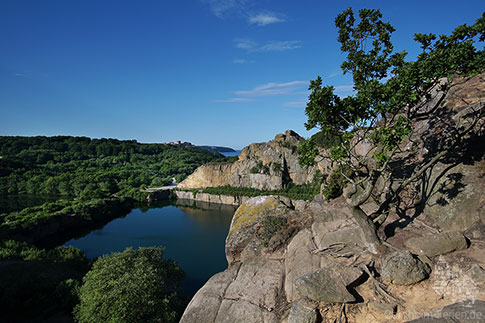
[231, 153]
[193, 237]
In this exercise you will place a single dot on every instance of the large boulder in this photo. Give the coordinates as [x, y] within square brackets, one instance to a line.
[299, 261]
[328, 284]
[259, 281]
[457, 202]
[241, 241]
[299, 313]
[246, 292]
[205, 304]
[401, 268]
[437, 244]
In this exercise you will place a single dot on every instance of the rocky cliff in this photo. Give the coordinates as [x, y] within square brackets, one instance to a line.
[264, 166]
[307, 262]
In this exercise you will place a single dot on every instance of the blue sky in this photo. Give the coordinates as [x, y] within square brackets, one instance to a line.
[219, 72]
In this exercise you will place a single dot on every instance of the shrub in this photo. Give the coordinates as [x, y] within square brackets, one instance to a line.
[271, 225]
[131, 286]
[334, 184]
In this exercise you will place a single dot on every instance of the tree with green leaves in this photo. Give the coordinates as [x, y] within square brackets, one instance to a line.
[131, 286]
[390, 95]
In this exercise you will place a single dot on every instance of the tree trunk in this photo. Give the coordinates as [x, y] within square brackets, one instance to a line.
[368, 228]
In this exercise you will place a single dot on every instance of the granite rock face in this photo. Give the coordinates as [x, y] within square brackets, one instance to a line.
[401, 268]
[242, 293]
[458, 189]
[300, 313]
[328, 284]
[315, 267]
[265, 166]
[437, 244]
[240, 241]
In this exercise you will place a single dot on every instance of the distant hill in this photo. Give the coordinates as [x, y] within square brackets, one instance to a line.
[217, 149]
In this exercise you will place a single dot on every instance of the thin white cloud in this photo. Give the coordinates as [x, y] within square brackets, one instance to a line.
[246, 44]
[264, 19]
[239, 61]
[269, 46]
[344, 88]
[296, 104]
[268, 89]
[220, 8]
[233, 100]
[280, 46]
[272, 89]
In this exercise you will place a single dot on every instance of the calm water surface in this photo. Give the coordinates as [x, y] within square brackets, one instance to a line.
[193, 237]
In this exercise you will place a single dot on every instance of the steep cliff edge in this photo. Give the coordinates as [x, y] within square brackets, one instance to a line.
[265, 166]
[308, 262]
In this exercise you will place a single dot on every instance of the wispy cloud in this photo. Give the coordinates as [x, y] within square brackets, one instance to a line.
[220, 8]
[269, 46]
[347, 89]
[268, 89]
[296, 104]
[264, 19]
[246, 44]
[271, 89]
[240, 61]
[280, 45]
[233, 100]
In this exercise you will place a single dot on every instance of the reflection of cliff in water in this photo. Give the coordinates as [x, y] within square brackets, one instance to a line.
[197, 211]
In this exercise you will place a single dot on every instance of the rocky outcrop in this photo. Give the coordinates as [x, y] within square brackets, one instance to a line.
[319, 263]
[457, 188]
[300, 313]
[402, 268]
[295, 261]
[246, 222]
[328, 284]
[265, 166]
[437, 244]
[245, 292]
[211, 198]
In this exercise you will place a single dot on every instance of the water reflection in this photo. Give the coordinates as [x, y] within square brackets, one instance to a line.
[193, 236]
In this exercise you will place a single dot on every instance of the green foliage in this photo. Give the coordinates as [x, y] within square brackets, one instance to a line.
[387, 88]
[92, 168]
[36, 284]
[67, 215]
[292, 147]
[325, 141]
[272, 224]
[307, 151]
[131, 286]
[296, 192]
[18, 250]
[335, 183]
[260, 168]
[230, 159]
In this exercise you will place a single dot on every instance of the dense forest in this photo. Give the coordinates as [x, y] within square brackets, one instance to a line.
[89, 168]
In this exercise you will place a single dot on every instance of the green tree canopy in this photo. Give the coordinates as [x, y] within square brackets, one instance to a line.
[131, 286]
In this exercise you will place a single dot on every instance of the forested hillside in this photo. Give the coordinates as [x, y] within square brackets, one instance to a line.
[88, 168]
